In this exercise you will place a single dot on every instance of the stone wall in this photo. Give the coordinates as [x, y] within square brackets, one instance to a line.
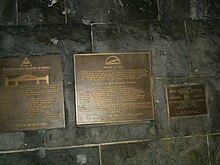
[184, 38]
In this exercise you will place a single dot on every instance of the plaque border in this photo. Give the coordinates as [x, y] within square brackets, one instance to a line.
[114, 122]
[186, 116]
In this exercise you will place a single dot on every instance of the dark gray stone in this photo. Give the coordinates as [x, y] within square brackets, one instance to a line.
[53, 157]
[175, 9]
[188, 151]
[98, 11]
[184, 126]
[173, 55]
[34, 139]
[166, 41]
[7, 12]
[140, 10]
[189, 9]
[215, 9]
[41, 12]
[17, 40]
[12, 141]
[21, 140]
[204, 43]
[206, 9]
[214, 143]
[125, 37]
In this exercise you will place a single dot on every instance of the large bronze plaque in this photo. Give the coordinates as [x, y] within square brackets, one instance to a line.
[186, 100]
[31, 93]
[113, 87]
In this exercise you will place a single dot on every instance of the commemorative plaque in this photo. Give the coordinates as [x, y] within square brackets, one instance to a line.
[113, 87]
[186, 100]
[31, 93]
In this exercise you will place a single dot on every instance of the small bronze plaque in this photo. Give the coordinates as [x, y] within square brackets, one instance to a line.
[186, 100]
[113, 87]
[31, 93]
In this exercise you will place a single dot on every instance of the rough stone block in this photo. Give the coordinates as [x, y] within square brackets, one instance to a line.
[12, 141]
[140, 10]
[7, 12]
[23, 40]
[175, 9]
[204, 43]
[48, 157]
[188, 151]
[173, 55]
[125, 37]
[189, 9]
[98, 11]
[21, 140]
[214, 143]
[41, 12]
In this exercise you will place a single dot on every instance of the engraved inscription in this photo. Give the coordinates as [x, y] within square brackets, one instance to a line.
[31, 93]
[186, 100]
[113, 88]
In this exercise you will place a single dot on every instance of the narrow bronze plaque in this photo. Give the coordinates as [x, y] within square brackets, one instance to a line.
[186, 100]
[113, 87]
[31, 93]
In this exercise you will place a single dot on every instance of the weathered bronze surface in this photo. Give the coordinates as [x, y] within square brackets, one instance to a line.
[113, 87]
[31, 93]
[186, 100]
